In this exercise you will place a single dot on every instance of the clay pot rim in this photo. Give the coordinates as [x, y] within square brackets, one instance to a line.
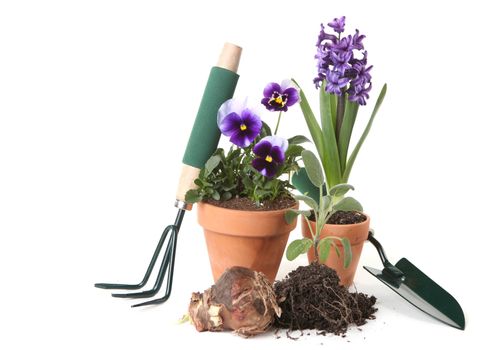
[256, 212]
[346, 225]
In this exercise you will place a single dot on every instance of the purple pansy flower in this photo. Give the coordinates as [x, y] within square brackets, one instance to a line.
[270, 152]
[280, 97]
[337, 24]
[240, 121]
[342, 63]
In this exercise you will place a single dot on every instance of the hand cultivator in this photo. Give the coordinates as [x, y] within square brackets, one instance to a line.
[202, 143]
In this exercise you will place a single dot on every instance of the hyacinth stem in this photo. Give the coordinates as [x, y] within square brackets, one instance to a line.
[278, 122]
[340, 114]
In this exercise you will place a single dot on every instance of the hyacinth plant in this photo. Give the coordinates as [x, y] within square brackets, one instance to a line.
[329, 204]
[344, 81]
[257, 159]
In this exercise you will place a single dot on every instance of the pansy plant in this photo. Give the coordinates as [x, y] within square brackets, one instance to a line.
[257, 160]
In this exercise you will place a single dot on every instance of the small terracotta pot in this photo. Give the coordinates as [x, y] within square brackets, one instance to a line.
[253, 239]
[356, 233]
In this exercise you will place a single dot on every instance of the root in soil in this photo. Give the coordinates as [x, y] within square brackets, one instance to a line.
[312, 298]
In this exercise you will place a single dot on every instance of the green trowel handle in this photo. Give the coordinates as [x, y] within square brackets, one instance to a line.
[389, 269]
[205, 132]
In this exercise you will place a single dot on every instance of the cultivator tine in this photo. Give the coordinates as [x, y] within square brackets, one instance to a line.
[148, 271]
[167, 265]
[169, 284]
[162, 272]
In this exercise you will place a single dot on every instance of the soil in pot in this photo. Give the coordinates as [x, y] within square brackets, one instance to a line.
[346, 218]
[247, 204]
[312, 298]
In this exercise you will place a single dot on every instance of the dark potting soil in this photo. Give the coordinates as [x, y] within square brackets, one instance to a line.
[247, 204]
[311, 298]
[346, 218]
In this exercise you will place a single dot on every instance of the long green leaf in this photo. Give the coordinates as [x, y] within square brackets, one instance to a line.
[351, 109]
[309, 201]
[331, 161]
[348, 204]
[312, 124]
[333, 108]
[324, 249]
[291, 214]
[298, 247]
[347, 252]
[356, 150]
[313, 168]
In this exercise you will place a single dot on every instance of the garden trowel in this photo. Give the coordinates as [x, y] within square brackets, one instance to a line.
[418, 289]
[404, 278]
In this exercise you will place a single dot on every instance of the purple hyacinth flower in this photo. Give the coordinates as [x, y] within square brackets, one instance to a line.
[335, 82]
[341, 60]
[240, 121]
[280, 97]
[337, 24]
[357, 40]
[270, 153]
[360, 94]
[325, 36]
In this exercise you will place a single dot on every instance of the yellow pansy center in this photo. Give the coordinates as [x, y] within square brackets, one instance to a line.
[243, 127]
[279, 101]
[269, 159]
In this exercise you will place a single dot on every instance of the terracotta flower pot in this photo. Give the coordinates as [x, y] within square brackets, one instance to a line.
[356, 234]
[253, 239]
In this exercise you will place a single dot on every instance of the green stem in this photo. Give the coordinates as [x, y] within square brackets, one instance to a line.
[340, 115]
[278, 122]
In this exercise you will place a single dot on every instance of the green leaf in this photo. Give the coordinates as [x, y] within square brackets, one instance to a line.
[340, 190]
[266, 130]
[324, 249]
[226, 196]
[353, 155]
[331, 159]
[297, 140]
[309, 201]
[348, 204]
[333, 109]
[325, 203]
[211, 164]
[351, 109]
[291, 214]
[347, 252]
[298, 247]
[216, 196]
[294, 151]
[193, 196]
[313, 168]
[312, 123]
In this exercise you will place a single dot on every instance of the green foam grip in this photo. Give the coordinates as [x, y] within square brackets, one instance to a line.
[301, 181]
[205, 133]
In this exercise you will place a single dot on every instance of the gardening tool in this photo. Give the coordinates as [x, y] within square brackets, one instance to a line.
[404, 278]
[418, 289]
[201, 145]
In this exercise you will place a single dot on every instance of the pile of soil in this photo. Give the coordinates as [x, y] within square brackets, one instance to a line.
[311, 298]
[247, 204]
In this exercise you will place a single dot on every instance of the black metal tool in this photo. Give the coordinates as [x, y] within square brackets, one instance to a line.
[202, 143]
[418, 289]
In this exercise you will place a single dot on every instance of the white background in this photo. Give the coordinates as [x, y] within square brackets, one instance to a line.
[97, 99]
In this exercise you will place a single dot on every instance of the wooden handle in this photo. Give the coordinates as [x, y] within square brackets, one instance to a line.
[186, 181]
[229, 57]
